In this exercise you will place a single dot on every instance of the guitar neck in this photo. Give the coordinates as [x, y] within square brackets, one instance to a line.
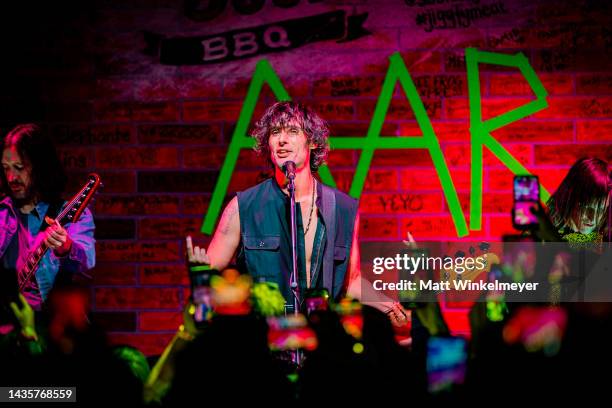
[31, 264]
[70, 213]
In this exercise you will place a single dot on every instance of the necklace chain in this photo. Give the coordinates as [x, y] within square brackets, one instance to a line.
[311, 205]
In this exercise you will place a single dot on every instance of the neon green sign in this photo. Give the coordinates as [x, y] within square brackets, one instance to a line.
[480, 133]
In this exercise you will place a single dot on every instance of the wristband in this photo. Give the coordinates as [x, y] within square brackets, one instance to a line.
[200, 268]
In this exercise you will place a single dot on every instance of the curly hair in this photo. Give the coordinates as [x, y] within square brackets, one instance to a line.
[34, 146]
[588, 181]
[282, 114]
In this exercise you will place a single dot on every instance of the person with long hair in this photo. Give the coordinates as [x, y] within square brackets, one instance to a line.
[255, 223]
[32, 182]
[579, 210]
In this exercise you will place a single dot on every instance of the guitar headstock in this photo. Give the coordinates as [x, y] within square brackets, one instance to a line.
[79, 202]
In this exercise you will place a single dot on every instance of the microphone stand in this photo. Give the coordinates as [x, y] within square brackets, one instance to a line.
[294, 272]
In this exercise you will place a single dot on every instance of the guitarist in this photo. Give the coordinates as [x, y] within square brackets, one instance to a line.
[32, 182]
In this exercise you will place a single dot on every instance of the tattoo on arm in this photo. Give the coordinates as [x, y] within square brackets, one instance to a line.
[228, 216]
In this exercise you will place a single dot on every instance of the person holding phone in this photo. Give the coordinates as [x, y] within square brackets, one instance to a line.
[579, 214]
[256, 226]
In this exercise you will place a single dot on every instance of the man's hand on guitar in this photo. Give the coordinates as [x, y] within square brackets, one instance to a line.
[196, 255]
[57, 239]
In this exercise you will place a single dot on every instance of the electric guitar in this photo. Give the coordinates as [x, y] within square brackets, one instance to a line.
[71, 213]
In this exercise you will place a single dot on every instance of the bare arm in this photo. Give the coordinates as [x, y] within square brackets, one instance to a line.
[360, 288]
[224, 243]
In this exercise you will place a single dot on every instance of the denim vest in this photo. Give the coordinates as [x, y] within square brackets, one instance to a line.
[265, 243]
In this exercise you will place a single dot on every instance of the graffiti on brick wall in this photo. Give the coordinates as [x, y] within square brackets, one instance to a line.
[513, 36]
[457, 17]
[401, 202]
[480, 133]
[90, 135]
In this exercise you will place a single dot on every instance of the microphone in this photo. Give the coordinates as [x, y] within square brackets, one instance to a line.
[289, 170]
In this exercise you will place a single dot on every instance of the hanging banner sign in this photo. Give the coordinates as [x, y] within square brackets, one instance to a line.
[254, 41]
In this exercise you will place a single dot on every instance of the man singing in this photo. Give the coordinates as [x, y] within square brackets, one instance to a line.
[256, 222]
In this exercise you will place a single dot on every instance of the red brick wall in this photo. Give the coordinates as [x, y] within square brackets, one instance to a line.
[157, 134]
